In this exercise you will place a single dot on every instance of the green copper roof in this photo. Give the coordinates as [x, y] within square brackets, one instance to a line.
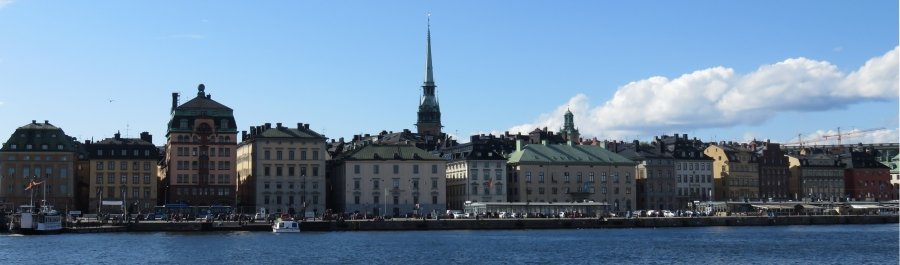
[389, 152]
[566, 154]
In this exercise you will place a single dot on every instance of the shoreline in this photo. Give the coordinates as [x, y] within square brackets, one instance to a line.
[491, 224]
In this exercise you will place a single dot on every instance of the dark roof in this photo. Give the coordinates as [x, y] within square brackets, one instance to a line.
[37, 135]
[388, 152]
[112, 149]
[202, 103]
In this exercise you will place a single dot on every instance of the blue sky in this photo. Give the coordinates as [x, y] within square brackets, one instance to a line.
[349, 67]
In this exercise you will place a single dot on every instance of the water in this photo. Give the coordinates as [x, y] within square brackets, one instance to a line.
[832, 244]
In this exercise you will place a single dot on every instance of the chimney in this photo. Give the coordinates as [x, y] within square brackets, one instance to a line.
[278, 125]
[87, 142]
[46, 122]
[569, 142]
[33, 121]
[268, 126]
[306, 126]
[684, 136]
[174, 100]
[243, 136]
[118, 135]
[543, 141]
[145, 136]
[637, 145]
[299, 125]
[519, 145]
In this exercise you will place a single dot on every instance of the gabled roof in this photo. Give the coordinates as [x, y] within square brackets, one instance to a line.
[567, 154]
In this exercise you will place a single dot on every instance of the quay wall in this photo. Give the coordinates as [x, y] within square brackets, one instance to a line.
[489, 224]
[471, 224]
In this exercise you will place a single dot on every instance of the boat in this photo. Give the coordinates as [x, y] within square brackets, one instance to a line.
[28, 220]
[285, 224]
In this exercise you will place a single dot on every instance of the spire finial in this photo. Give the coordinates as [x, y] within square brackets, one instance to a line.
[429, 75]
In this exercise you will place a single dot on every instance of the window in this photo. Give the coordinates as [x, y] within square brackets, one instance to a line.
[278, 171]
[267, 155]
[415, 184]
[303, 171]
[528, 177]
[375, 169]
[415, 169]
[99, 165]
[434, 199]
[302, 154]
[315, 171]
[290, 154]
[111, 178]
[375, 184]
[355, 169]
[315, 154]
[136, 179]
[266, 171]
[541, 177]
[99, 178]
[356, 184]
[356, 199]
[146, 179]
[290, 171]
[278, 155]
[396, 169]
[396, 183]
[434, 183]
[434, 169]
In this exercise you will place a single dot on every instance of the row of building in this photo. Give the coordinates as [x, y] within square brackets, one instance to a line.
[206, 160]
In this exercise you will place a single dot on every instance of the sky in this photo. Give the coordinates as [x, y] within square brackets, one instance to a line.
[716, 70]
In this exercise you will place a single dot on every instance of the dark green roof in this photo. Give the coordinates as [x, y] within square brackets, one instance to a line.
[389, 152]
[567, 154]
[37, 135]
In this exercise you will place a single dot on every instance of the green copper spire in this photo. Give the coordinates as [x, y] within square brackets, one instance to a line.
[429, 115]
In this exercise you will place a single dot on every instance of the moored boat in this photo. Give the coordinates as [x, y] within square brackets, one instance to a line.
[285, 224]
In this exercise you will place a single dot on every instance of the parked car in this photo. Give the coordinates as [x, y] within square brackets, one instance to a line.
[667, 213]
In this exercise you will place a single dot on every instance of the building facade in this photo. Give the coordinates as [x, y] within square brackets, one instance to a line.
[735, 171]
[774, 173]
[282, 170]
[123, 169]
[570, 173]
[476, 172]
[820, 177]
[865, 179]
[40, 156]
[200, 152]
[693, 170]
[654, 175]
[394, 180]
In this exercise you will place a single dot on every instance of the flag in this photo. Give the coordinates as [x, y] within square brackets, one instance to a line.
[490, 183]
[32, 184]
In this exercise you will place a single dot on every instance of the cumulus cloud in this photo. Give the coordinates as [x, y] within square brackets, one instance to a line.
[718, 97]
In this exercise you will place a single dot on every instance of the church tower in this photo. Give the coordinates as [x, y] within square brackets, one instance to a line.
[568, 131]
[429, 115]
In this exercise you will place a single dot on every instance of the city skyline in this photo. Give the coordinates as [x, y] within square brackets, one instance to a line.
[498, 67]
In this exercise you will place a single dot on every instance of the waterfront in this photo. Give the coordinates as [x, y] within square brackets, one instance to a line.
[822, 244]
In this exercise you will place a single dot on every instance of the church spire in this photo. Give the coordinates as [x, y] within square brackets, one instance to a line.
[429, 73]
[429, 115]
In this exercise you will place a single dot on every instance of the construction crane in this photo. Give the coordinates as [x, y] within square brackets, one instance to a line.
[851, 134]
[800, 142]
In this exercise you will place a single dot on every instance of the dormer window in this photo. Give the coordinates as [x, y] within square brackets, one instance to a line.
[12, 146]
[183, 124]
[27, 147]
[59, 147]
[44, 147]
[224, 124]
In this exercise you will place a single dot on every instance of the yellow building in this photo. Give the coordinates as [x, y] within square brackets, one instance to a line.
[735, 171]
[123, 170]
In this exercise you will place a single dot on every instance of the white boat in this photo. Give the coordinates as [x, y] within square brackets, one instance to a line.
[285, 225]
[30, 221]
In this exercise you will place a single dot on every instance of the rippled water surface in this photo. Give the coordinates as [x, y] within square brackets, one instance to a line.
[831, 244]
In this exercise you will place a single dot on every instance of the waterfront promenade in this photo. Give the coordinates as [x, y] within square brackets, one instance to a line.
[490, 224]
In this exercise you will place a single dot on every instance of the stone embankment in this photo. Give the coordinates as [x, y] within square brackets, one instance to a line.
[487, 224]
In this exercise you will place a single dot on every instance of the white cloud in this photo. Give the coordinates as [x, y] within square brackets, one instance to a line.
[851, 136]
[4, 3]
[717, 97]
[188, 36]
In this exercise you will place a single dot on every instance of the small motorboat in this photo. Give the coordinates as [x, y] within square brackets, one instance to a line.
[285, 224]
